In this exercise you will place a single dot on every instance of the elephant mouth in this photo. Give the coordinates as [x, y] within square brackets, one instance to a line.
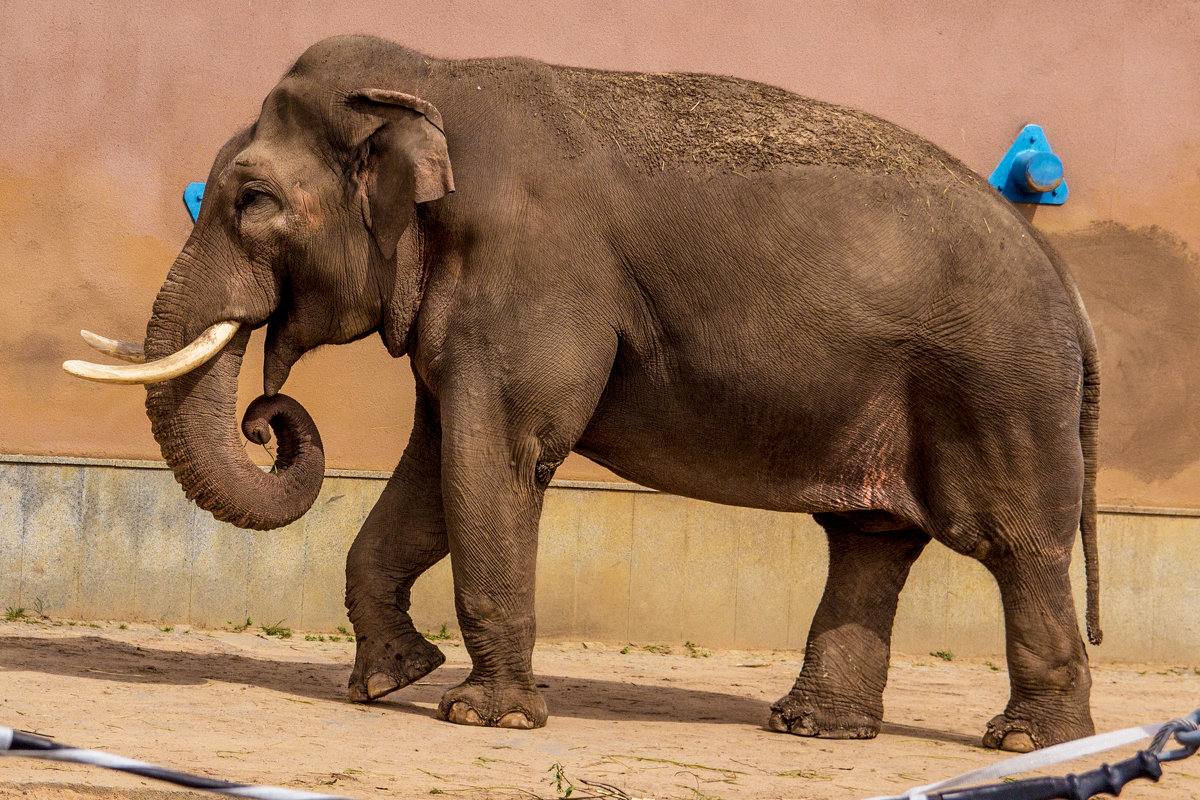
[139, 371]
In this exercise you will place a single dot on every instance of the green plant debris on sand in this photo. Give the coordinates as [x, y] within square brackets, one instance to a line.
[442, 634]
[807, 774]
[21, 614]
[723, 770]
[559, 779]
[277, 629]
[694, 651]
[696, 793]
[564, 787]
[944, 655]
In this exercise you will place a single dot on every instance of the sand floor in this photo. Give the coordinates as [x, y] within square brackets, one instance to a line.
[687, 723]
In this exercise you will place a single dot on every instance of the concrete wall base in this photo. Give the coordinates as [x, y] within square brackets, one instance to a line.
[101, 539]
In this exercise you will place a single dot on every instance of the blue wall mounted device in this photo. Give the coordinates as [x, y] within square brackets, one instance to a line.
[192, 195]
[1030, 172]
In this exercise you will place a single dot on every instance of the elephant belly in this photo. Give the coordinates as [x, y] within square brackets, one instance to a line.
[767, 449]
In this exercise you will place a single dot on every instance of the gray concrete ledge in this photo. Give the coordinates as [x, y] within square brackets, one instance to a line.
[100, 539]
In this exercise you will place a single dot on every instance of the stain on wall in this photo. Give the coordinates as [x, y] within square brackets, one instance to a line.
[1142, 291]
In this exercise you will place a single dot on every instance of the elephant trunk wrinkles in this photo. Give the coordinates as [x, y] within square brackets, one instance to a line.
[194, 420]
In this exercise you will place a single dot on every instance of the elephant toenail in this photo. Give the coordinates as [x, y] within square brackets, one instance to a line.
[515, 719]
[777, 722]
[380, 684]
[463, 714]
[1018, 742]
[357, 694]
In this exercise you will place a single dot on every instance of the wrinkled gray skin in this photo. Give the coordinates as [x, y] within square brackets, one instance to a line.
[782, 304]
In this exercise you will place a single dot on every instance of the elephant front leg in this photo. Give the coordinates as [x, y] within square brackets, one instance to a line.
[404, 535]
[839, 693]
[493, 504]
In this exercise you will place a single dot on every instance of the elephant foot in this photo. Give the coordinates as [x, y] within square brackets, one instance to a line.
[472, 703]
[797, 715]
[1023, 735]
[1018, 735]
[381, 668]
[1015, 736]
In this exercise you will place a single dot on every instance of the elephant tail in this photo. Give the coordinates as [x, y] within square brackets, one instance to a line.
[1089, 429]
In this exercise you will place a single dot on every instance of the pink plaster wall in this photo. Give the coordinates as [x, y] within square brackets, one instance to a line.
[111, 108]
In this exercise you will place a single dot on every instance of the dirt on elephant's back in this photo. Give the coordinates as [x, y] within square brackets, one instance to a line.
[661, 121]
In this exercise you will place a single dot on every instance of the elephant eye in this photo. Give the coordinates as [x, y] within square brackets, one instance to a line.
[255, 203]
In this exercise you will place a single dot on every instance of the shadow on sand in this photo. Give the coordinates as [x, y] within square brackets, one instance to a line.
[98, 658]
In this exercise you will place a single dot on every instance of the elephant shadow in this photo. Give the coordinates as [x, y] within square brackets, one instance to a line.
[98, 658]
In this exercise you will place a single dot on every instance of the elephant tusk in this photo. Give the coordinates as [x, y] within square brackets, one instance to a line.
[182, 361]
[126, 351]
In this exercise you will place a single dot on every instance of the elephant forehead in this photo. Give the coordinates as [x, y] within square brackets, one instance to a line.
[287, 161]
[289, 106]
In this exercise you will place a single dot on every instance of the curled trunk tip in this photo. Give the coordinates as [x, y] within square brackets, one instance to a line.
[194, 420]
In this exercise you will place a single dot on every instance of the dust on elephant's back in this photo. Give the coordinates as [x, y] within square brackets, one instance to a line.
[658, 122]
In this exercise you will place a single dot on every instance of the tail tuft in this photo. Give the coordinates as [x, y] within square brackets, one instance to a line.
[1089, 428]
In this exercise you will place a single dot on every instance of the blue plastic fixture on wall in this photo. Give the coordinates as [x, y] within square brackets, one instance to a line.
[192, 195]
[1030, 172]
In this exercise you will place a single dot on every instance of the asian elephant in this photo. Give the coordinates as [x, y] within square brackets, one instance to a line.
[713, 287]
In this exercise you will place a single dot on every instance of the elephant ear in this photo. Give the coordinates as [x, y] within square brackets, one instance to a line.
[399, 157]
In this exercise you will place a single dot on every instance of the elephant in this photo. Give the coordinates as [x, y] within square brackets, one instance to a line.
[713, 287]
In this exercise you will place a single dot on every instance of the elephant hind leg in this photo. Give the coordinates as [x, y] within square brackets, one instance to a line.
[1025, 539]
[1049, 678]
[839, 693]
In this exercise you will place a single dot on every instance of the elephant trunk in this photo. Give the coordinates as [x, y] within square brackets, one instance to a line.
[194, 420]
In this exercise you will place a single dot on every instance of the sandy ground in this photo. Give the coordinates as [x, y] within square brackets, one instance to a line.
[683, 724]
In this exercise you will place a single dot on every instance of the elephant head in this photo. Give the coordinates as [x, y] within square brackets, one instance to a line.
[306, 227]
